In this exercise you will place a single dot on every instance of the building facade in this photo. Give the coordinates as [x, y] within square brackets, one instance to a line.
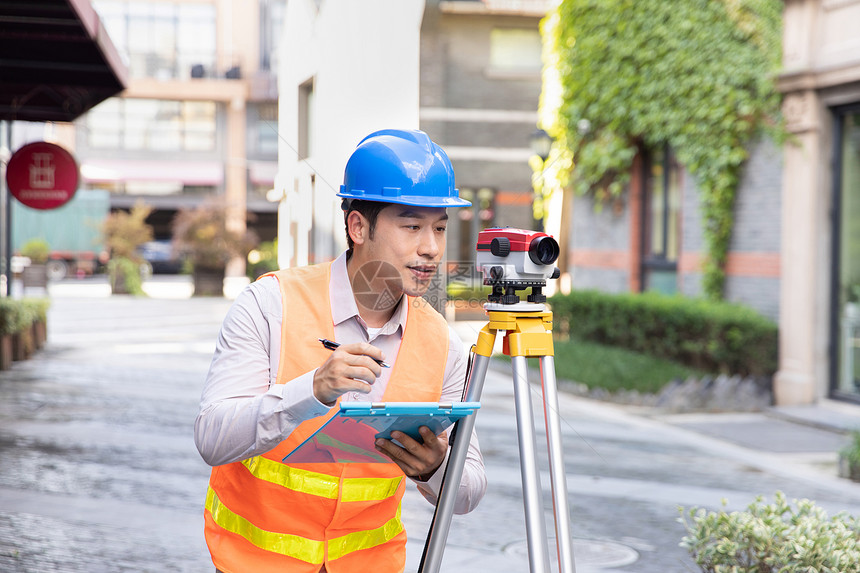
[819, 318]
[480, 87]
[466, 72]
[198, 120]
[652, 238]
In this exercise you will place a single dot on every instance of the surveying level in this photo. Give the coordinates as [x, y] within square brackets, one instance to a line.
[512, 260]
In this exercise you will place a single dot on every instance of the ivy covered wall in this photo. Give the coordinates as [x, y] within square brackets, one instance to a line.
[626, 75]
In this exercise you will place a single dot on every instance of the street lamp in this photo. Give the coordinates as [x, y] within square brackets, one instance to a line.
[541, 144]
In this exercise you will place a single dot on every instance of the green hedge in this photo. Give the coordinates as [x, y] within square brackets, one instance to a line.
[711, 336]
[17, 315]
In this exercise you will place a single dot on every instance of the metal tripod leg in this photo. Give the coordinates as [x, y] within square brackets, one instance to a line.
[558, 480]
[535, 529]
[431, 560]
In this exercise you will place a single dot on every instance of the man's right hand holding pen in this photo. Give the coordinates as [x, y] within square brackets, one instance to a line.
[350, 368]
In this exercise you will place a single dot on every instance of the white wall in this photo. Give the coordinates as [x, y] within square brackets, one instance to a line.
[364, 58]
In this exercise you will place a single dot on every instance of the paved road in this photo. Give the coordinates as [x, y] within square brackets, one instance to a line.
[100, 473]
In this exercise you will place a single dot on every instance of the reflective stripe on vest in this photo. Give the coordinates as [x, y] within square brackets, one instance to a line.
[293, 546]
[307, 550]
[322, 485]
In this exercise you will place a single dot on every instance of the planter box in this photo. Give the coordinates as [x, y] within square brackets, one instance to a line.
[22, 345]
[847, 471]
[208, 282]
[5, 351]
[40, 334]
[35, 276]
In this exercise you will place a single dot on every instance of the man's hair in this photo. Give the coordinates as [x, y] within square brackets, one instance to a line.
[369, 209]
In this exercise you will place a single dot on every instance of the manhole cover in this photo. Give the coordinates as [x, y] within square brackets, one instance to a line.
[586, 552]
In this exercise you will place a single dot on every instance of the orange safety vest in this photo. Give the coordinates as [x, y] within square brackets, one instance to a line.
[264, 515]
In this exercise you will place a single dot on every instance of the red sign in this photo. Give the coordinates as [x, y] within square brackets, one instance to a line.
[42, 175]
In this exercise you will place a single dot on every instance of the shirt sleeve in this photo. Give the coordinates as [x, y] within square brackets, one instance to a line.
[242, 412]
[473, 486]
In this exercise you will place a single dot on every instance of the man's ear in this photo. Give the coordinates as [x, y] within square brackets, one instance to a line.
[358, 227]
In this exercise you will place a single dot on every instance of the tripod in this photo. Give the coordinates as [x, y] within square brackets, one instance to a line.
[528, 333]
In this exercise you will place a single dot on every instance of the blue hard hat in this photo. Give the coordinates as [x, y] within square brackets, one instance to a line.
[400, 166]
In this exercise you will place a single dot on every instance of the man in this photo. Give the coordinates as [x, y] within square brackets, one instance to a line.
[272, 384]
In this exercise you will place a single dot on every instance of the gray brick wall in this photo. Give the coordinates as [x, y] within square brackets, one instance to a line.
[758, 203]
[456, 74]
[606, 280]
[603, 229]
[757, 228]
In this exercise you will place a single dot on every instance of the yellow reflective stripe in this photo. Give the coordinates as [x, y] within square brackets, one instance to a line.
[304, 481]
[308, 550]
[322, 485]
[359, 540]
[369, 489]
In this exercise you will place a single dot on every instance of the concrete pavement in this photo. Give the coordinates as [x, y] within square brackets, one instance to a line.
[100, 472]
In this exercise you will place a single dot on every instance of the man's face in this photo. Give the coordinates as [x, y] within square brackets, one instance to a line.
[406, 249]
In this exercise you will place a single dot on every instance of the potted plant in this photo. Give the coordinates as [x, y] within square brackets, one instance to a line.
[849, 458]
[36, 273]
[124, 232]
[206, 240]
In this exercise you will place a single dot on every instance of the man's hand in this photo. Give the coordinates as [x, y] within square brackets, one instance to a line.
[350, 368]
[417, 460]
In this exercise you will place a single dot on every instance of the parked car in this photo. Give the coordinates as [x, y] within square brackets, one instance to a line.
[161, 257]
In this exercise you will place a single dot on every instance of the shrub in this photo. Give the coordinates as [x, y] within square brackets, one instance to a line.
[124, 232]
[459, 291]
[851, 452]
[771, 538]
[204, 236]
[708, 335]
[37, 250]
[18, 315]
[262, 260]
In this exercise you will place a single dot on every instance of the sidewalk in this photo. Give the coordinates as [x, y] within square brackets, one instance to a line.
[101, 473]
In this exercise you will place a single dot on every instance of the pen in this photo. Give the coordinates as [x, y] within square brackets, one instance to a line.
[331, 345]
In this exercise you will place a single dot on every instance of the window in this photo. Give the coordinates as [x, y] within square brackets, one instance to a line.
[265, 129]
[306, 119]
[846, 295]
[661, 224]
[515, 50]
[271, 30]
[162, 40]
[149, 124]
[473, 220]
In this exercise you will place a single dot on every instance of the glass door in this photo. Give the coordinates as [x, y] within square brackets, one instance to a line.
[846, 292]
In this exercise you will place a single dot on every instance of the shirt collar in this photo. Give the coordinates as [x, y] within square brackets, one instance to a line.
[343, 306]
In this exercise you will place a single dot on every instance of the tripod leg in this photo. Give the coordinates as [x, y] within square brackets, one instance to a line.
[535, 529]
[431, 560]
[556, 466]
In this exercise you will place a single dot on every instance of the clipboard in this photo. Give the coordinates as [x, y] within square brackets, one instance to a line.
[349, 436]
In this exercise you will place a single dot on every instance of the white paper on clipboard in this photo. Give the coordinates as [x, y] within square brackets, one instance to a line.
[349, 436]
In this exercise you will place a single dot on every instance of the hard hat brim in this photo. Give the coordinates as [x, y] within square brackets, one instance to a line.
[416, 200]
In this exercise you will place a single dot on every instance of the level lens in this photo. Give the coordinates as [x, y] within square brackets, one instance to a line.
[543, 250]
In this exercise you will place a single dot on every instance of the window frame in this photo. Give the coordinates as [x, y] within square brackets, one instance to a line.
[648, 261]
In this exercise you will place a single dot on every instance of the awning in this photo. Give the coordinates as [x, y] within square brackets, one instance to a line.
[56, 60]
[185, 172]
